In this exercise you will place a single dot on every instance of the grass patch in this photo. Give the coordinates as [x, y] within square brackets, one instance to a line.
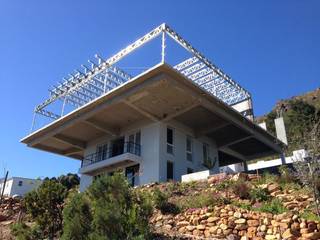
[199, 201]
[308, 215]
[259, 195]
[242, 205]
[274, 206]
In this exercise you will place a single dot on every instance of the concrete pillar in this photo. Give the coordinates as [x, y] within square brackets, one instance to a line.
[263, 125]
[281, 130]
[245, 166]
[283, 158]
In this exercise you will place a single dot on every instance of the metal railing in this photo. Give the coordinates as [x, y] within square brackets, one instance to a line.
[112, 151]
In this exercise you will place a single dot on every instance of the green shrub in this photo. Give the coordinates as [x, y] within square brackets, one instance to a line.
[267, 178]
[226, 184]
[310, 216]
[117, 211]
[274, 206]
[161, 202]
[259, 194]
[23, 232]
[77, 218]
[45, 207]
[201, 200]
[242, 205]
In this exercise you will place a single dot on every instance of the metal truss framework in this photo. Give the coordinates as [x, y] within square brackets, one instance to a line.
[82, 87]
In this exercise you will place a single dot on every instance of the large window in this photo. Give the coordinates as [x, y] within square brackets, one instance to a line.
[189, 147]
[134, 143]
[102, 151]
[170, 140]
[169, 170]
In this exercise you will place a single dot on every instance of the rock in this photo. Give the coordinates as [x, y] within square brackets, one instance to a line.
[273, 187]
[201, 227]
[212, 219]
[263, 228]
[190, 228]
[223, 226]
[313, 235]
[237, 215]
[217, 178]
[182, 223]
[167, 226]
[253, 223]
[312, 226]
[213, 229]
[287, 234]
[240, 221]
[239, 176]
[182, 230]
[270, 237]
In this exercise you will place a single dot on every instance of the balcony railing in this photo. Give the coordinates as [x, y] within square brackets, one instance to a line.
[112, 151]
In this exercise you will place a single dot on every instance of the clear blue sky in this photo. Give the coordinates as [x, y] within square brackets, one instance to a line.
[269, 47]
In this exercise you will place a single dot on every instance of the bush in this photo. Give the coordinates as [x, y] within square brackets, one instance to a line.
[310, 216]
[117, 211]
[23, 232]
[160, 200]
[241, 189]
[226, 184]
[274, 207]
[45, 207]
[259, 194]
[77, 218]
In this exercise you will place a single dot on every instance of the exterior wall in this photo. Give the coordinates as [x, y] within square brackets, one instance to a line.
[13, 188]
[180, 163]
[153, 166]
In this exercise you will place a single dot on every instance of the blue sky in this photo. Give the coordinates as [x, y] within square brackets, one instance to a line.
[270, 47]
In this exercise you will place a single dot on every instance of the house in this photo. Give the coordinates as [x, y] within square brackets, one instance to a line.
[166, 121]
[18, 186]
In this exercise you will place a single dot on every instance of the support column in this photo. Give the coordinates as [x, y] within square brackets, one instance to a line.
[245, 166]
[283, 158]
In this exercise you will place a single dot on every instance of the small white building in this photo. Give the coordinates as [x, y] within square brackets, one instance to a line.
[18, 186]
[169, 120]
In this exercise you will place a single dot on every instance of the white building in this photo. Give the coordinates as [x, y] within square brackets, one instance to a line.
[18, 186]
[167, 121]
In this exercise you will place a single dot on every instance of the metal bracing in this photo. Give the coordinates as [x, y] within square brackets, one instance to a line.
[102, 76]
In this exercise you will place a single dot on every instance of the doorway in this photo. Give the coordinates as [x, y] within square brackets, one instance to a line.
[117, 147]
[132, 174]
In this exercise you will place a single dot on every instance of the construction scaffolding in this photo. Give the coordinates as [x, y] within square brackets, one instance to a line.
[83, 86]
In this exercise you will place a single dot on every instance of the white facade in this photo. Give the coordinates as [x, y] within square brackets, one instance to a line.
[154, 157]
[19, 186]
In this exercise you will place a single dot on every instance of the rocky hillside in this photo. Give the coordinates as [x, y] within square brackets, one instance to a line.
[238, 207]
[300, 113]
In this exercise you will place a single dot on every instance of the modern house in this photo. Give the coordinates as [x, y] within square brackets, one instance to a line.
[157, 125]
[18, 186]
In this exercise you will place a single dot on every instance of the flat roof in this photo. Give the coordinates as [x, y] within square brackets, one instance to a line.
[159, 94]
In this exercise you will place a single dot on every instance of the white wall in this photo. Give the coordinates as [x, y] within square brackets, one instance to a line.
[153, 166]
[179, 158]
[13, 188]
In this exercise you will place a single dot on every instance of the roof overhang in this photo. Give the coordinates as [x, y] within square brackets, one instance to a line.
[159, 94]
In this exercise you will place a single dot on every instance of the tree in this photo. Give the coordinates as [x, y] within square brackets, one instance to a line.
[45, 207]
[117, 211]
[77, 218]
[69, 181]
[308, 169]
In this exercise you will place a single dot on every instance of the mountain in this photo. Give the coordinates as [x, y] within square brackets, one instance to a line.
[300, 113]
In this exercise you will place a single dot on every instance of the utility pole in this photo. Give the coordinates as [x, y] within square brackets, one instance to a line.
[3, 186]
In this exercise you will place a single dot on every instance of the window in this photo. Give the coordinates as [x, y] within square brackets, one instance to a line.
[189, 170]
[189, 146]
[169, 170]
[102, 152]
[205, 152]
[20, 183]
[134, 143]
[170, 140]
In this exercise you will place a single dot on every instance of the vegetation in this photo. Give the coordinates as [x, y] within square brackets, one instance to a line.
[259, 194]
[274, 206]
[45, 207]
[308, 170]
[116, 210]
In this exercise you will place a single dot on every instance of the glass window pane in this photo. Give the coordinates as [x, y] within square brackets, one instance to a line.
[169, 136]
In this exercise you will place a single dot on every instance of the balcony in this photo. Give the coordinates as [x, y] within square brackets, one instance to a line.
[118, 155]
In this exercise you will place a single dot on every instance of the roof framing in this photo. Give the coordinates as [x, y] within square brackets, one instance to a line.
[82, 87]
